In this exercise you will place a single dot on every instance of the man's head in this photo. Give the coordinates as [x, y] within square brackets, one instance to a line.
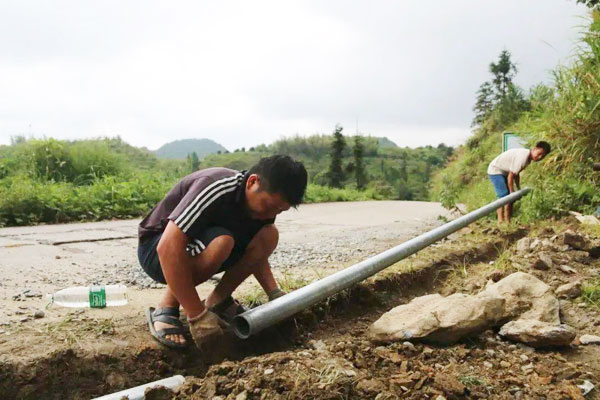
[274, 185]
[540, 150]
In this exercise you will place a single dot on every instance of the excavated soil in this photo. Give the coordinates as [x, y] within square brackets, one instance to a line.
[324, 353]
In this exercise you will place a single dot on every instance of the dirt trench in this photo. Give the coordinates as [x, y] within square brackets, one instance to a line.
[323, 352]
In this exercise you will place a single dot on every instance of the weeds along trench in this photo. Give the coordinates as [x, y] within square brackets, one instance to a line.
[82, 372]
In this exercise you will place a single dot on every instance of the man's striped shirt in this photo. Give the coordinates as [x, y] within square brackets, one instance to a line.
[205, 198]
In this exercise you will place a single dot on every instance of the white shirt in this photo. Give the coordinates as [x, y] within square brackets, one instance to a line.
[513, 160]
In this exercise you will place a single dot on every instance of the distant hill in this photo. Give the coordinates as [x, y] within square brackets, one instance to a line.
[385, 142]
[179, 149]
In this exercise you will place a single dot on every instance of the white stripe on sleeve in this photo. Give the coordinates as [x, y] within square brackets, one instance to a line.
[205, 198]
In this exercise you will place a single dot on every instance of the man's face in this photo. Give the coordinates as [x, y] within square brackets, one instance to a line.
[262, 204]
[537, 153]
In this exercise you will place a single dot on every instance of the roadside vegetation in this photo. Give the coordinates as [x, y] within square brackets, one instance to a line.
[350, 168]
[565, 113]
[54, 181]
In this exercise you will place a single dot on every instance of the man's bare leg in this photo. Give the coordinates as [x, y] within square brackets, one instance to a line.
[207, 263]
[507, 212]
[254, 261]
[500, 213]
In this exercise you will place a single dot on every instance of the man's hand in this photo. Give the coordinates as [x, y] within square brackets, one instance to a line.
[511, 181]
[205, 327]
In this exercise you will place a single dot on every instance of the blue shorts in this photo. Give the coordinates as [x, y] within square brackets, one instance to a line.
[500, 185]
[150, 263]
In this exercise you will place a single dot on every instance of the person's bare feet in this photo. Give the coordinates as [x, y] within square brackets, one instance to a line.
[177, 338]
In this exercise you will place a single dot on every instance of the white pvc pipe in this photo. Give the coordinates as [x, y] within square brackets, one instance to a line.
[137, 393]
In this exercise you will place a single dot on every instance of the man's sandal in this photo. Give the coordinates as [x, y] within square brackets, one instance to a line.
[167, 315]
[228, 309]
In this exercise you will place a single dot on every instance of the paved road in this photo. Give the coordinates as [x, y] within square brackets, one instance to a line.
[42, 259]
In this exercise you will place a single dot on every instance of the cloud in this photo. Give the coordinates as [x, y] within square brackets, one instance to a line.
[244, 73]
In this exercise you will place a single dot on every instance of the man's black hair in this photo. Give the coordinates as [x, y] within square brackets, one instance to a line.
[284, 175]
[543, 145]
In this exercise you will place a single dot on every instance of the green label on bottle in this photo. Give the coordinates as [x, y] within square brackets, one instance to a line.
[97, 297]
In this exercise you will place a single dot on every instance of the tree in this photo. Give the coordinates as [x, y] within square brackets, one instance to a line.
[359, 166]
[484, 104]
[590, 3]
[501, 94]
[503, 71]
[193, 161]
[403, 172]
[336, 173]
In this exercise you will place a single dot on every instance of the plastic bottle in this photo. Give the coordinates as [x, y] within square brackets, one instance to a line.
[93, 296]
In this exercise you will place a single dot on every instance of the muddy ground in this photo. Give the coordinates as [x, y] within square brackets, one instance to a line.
[324, 353]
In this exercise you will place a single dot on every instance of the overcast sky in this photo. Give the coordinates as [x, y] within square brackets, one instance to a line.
[249, 72]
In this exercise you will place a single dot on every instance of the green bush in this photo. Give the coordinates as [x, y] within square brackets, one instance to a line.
[29, 202]
[321, 194]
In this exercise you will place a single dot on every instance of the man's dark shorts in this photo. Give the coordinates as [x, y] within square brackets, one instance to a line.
[500, 185]
[149, 261]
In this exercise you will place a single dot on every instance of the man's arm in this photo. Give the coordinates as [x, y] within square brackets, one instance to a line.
[511, 181]
[177, 268]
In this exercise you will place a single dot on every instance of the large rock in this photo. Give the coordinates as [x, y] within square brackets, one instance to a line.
[437, 319]
[526, 297]
[538, 334]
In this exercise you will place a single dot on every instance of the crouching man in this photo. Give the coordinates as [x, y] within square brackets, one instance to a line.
[215, 220]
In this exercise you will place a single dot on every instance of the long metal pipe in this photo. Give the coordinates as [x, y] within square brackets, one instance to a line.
[259, 318]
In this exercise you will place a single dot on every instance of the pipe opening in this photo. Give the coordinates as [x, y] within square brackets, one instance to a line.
[241, 327]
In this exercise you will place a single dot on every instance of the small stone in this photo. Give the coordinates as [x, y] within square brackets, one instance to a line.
[24, 319]
[39, 314]
[566, 269]
[505, 364]
[491, 352]
[568, 372]
[569, 290]
[537, 333]
[449, 384]
[269, 371]
[524, 358]
[409, 346]
[488, 364]
[529, 367]
[535, 244]
[589, 339]
[574, 240]
[543, 262]
[495, 275]
[524, 245]
[318, 345]
[242, 396]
